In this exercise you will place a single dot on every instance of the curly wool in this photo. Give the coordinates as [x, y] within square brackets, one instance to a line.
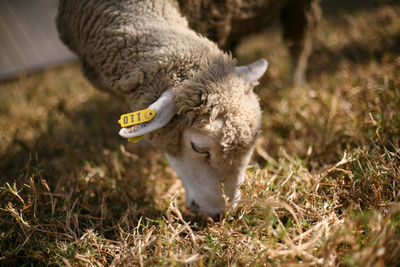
[138, 49]
[133, 49]
[221, 94]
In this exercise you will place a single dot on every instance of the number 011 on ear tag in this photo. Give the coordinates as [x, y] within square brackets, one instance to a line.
[135, 118]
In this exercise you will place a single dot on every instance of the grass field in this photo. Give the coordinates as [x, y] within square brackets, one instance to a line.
[323, 188]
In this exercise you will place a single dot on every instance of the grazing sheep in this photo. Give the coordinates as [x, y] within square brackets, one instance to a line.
[208, 116]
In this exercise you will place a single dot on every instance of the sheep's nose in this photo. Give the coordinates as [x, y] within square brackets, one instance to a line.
[194, 207]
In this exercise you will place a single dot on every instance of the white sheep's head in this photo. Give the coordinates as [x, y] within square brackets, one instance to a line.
[218, 118]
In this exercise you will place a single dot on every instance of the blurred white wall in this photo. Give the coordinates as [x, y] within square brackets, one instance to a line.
[28, 37]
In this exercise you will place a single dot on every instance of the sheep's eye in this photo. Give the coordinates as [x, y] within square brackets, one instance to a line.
[200, 150]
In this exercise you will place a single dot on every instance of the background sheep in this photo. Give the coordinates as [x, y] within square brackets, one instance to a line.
[139, 49]
[228, 21]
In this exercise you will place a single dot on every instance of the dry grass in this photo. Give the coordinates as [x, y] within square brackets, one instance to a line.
[323, 188]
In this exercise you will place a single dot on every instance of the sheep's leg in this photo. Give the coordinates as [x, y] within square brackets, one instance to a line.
[299, 20]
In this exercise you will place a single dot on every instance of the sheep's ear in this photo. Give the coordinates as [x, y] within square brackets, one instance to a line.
[253, 71]
[165, 109]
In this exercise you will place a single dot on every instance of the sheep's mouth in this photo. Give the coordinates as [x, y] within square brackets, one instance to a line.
[131, 131]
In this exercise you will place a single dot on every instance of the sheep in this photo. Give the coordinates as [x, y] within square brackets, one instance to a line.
[227, 21]
[208, 116]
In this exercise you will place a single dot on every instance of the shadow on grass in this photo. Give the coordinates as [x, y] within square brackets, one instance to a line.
[328, 60]
[92, 180]
[332, 8]
[81, 136]
[375, 46]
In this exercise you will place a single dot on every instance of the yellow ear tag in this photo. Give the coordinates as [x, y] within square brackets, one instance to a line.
[135, 139]
[136, 117]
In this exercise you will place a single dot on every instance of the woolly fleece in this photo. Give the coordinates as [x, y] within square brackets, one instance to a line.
[138, 49]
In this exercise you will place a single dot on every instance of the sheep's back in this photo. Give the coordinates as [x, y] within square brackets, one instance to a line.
[133, 49]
